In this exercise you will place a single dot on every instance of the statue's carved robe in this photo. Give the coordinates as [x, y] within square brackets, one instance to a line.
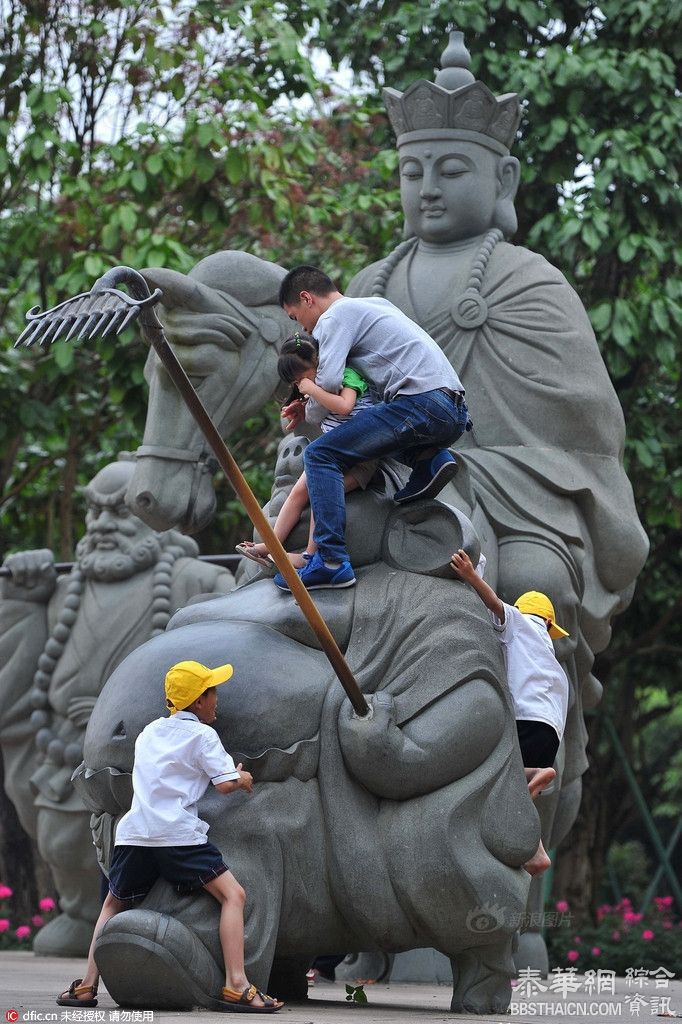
[113, 619]
[545, 454]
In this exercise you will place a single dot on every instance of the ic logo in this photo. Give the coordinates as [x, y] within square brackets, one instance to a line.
[11, 1016]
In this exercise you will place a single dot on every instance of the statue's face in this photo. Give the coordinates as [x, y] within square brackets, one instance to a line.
[116, 544]
[448, 188]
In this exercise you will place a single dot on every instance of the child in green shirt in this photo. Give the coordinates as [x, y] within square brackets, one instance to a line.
[297, 365]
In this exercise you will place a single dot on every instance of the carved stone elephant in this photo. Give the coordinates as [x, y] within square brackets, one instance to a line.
[404, 829]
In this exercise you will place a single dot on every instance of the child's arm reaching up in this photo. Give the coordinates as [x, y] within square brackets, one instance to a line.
[464, 568]
[341, 404]
[245, 781]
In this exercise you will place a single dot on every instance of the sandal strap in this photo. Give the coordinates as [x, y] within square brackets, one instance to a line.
[267, 1000]
[247, 996]
[75, 988]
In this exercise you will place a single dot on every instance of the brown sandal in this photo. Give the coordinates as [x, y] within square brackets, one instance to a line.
[242, 1002]
[244, 549]
[70, 997]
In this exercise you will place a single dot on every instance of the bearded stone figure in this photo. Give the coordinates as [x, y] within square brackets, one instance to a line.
[60, 639]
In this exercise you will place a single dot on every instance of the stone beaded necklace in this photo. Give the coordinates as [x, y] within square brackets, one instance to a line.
[50, 745]
[469, 310]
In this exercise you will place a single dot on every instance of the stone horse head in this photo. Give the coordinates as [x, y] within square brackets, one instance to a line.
[225, 325]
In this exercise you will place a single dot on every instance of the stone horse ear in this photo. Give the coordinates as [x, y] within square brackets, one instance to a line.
[422, 537]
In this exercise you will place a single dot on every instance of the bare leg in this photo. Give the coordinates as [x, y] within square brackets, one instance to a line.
[539, 862]
[231, 897]
[289, 515]
[538, 779]
[110, 908]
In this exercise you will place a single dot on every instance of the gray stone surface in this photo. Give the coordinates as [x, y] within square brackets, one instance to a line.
[30, 989]
[60, 638]
[381, 834]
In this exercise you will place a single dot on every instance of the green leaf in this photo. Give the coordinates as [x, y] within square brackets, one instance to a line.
[235, 164]
[138, 179]
[600, 316]
[93, 265]
[127, 217]
[205, 165]
[64, 355]
[627, 248]
[37, 147]
[110, 237]
[591, 237]
[205, 134]
[154, 164]
[660, 315]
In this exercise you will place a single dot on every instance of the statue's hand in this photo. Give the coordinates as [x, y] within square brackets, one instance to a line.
[79, 710]
[378, 753]
[446, 741]
[33, 576]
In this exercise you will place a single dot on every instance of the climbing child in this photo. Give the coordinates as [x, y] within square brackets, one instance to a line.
[297, 365]
[162, 835]
[537, 682]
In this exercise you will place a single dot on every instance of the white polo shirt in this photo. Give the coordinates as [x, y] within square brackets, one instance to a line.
[175, 760]
[537, 682]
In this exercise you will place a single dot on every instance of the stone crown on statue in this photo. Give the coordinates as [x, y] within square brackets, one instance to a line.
[454, 106]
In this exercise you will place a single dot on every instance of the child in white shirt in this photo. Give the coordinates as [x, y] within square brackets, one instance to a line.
[162, 836]
[537, 683]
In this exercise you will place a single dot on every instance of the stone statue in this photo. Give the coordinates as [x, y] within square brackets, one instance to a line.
[341, 805]
[543, 484]
[60, 638]
[543, 478]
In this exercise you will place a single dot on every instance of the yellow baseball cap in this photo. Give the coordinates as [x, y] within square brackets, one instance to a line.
[189, 679]
[535, 603]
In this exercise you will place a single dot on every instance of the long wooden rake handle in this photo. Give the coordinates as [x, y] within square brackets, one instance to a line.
[105, 309]
[248, 499]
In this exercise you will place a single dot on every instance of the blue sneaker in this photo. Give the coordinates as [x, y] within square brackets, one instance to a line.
[318, 576]
[428, 478]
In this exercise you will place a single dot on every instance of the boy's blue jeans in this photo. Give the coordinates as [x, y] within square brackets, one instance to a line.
[403, 429]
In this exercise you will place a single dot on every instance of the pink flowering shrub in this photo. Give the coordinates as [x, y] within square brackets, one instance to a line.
[621, 938]
[20, 935]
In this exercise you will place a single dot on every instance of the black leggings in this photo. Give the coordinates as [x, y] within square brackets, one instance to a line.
[539, 743]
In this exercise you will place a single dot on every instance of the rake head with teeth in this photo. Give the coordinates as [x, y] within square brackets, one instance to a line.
[104, 310]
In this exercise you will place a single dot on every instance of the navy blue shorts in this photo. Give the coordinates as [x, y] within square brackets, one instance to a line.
[135, 869]
[539, 743]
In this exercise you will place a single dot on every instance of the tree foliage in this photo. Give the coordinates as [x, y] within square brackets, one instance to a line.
[148, 135]
[153, 134]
